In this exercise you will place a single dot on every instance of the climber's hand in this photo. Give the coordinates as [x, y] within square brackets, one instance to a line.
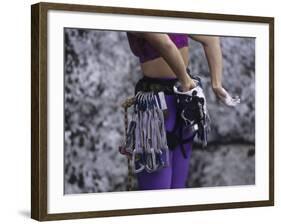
[225, 97]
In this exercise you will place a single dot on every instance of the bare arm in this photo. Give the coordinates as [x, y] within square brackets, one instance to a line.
[168, 50]
[213, 54]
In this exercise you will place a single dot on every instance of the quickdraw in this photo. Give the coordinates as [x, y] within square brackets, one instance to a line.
[146, 142]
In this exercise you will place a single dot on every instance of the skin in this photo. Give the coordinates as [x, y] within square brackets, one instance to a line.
[212, 49]
[173, 61]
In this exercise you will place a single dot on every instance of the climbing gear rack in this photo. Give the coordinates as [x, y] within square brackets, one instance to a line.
[146, 144]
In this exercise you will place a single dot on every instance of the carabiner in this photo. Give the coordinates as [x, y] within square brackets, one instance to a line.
[136, 170]
[150, 164]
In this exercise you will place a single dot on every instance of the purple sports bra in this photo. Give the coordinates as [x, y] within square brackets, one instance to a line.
[142, 49]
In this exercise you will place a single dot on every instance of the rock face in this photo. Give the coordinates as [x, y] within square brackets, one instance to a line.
[222, 165]
[100, 72]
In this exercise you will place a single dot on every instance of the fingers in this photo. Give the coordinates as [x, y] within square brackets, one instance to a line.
[233, 102]
[228, 100]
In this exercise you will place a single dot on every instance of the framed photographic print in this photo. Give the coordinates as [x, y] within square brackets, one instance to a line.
[141, 111]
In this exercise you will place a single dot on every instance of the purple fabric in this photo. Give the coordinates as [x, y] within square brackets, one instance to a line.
[142, 49]
[176, 175]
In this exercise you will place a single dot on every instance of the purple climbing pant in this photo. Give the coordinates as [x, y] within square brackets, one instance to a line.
[176, 175]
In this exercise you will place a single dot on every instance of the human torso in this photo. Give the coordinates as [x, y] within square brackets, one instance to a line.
[152, 64]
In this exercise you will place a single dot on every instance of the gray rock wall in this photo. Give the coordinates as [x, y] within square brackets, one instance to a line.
[100, 72]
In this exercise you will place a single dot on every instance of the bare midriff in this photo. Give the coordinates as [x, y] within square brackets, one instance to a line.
[158, 67]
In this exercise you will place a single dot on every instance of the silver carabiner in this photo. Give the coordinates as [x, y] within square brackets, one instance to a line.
[150, 161]
[134, 163]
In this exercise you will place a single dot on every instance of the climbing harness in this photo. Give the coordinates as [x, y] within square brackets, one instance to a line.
[147, 142]
[192, 110]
